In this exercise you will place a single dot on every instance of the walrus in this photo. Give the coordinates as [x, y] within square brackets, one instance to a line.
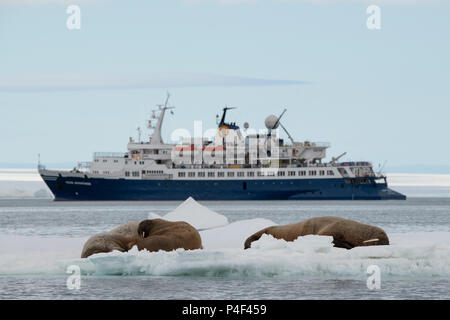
[122, 238]
[159, 234]
[346, 233]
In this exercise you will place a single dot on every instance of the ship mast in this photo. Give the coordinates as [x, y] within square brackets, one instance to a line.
[156, 135]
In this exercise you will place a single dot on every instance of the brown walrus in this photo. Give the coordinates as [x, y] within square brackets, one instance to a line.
[152, 235]
[346, 233]
[122, 238]
[159, 234]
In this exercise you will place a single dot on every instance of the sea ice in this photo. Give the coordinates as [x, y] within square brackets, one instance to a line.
[192, 212]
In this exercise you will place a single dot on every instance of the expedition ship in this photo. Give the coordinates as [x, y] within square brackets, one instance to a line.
[234, 165]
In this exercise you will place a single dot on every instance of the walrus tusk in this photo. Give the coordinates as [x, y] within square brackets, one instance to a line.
[371, 240]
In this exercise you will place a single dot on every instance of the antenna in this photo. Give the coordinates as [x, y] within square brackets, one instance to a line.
[139, 134]
[382, 167]
[167, 99]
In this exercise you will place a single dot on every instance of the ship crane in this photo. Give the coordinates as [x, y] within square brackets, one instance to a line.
[272, 122]
[334, 159]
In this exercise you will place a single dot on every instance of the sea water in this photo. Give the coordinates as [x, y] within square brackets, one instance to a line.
[40, 239]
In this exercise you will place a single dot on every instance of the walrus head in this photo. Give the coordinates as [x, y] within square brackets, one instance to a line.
[102, 243]
[145, 228]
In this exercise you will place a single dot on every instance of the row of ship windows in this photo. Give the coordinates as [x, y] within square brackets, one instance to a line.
[258, 173]
[136, 173]
[105, 160]
[117, 161]
[202, 174]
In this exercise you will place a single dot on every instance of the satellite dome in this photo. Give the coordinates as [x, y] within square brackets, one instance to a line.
[246, 125]
[271, 122]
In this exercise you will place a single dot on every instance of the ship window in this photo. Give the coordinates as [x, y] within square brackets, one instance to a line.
[291, 173]
[127, 173]
[240, 174]
[96, 160]
[104, 160]
[302, 173]
[260, 174]
[280, 173]
[322, 172]
[135, 173]
[211, 174]
[250, 174]
[220, 174]
[116, 161]
[271, 174]
[312, 173]
[330, 173]
[191, 174]
[201, 174]
[230, 174]
[181, 174]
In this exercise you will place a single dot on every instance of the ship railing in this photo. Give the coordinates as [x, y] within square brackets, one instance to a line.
[321, 144]
[84, 165]
[330, 164]
[109, 154]
[354, 164]
[307, 144]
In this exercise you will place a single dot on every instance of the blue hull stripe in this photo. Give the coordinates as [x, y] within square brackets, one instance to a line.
[65, 188]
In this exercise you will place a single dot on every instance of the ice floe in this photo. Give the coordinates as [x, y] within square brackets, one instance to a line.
[410, 255]
[199, 216]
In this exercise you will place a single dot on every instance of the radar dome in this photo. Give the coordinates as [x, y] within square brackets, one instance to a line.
[246, 125]
[271, 122]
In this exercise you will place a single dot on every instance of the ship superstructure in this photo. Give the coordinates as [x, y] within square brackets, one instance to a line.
[233, 165]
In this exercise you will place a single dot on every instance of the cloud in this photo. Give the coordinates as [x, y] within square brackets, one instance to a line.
[106, 82]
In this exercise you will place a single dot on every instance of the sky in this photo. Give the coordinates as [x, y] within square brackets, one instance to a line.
[380, 95]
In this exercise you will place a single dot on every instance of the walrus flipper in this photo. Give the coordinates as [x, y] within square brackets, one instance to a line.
[254, 237]
[341, 244]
